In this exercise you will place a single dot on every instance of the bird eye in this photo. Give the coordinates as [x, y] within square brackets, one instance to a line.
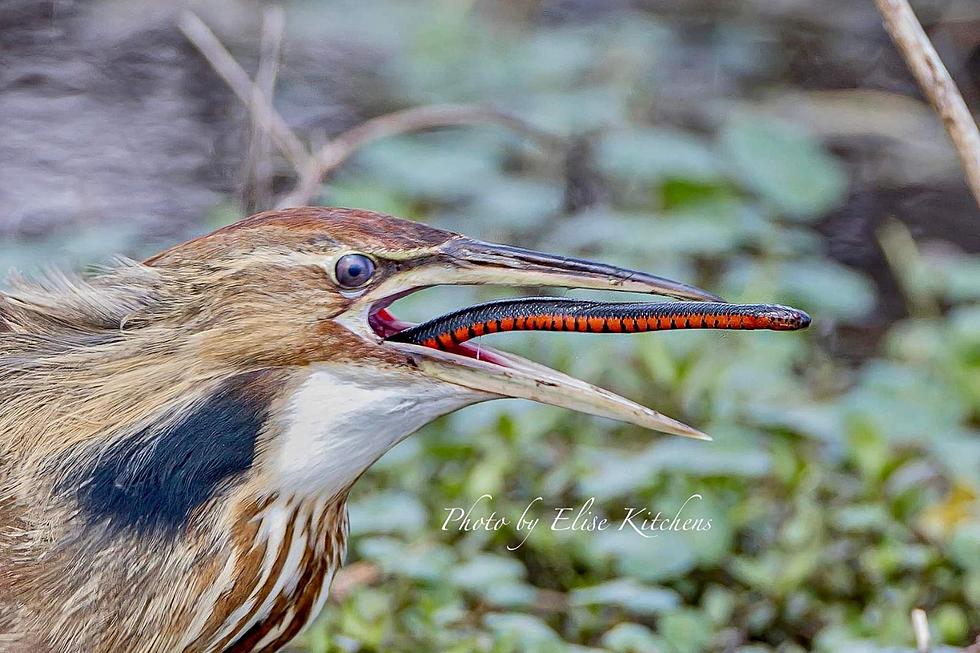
[354, 270]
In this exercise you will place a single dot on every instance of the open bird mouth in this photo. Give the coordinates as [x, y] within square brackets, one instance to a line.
[442, 347]
[393, 330]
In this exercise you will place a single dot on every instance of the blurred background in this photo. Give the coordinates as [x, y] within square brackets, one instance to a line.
[771, 151]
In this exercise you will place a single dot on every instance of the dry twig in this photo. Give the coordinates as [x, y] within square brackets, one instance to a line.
[974, 647]
[312, 169]
[936, 83]
[241, 85]
[259, 168]
[352, 576]
[332, 155]
[920, 626]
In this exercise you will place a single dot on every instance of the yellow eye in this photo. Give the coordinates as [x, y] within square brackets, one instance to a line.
[354, 270]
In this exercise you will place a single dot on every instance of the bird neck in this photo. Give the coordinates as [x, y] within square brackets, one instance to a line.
[276, 575]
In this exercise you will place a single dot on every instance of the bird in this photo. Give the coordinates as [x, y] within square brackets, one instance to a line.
[179, 436]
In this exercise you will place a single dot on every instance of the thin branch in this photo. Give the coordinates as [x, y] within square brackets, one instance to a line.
[936, 83]
[270, 48]
[332, 155]
[352, 576]
[241, 85]
[920, 626]
[313, 169]
[259, 166]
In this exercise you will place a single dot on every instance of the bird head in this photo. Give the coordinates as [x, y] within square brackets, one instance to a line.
[308, 289]
[264, 355]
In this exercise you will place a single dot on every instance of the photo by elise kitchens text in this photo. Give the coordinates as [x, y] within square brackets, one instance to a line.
[582, 518]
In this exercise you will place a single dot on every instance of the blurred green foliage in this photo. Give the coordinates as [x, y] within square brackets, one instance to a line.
[841, 494]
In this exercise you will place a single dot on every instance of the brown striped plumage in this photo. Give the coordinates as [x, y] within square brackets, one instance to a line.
[178, 437]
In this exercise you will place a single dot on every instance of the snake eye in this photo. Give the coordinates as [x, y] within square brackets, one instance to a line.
[354, 270]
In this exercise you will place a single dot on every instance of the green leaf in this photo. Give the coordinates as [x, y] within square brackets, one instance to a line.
[689, 631]
[632, 638]
[579, 110]
[957, 275]
[366, 193]
[435, 165]
[387, 512]
[658, 558]
[515, 204]
[486, 570]
[686, 193]
[654, 155]
[965, 545]
[510, 595]
[629, 595]
[905, 403]
[784, 165]
[827, 289]
[618, 475]
[523, 629]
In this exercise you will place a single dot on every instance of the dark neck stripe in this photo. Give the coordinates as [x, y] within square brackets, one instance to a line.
[154, 479]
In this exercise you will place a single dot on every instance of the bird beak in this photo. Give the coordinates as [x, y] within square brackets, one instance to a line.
[462, 261]
[477, 262]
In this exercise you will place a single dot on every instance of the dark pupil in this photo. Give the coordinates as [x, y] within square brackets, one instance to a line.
[354, 270]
